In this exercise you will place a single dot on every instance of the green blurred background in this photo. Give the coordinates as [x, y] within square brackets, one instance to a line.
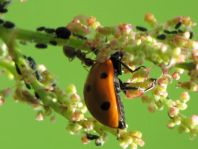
[18, 128]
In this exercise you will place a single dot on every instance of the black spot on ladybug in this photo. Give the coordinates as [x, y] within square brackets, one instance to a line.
[88, 88]
[103, 75]
[41, 45]
[62, 32]
[53, 42]
[140, 28]
[42, 28]
[161, 37]
[105, 106]
[8, 24]
[1, 21]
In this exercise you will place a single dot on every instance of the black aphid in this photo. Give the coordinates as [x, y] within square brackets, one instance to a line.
[161, 37]
[8, 25]
[62, 32]
[53, 42]
[18, 69]
[92, 136]
[140, 28]
[27, 85]
[178, 25]
[49, 30]
[42, 28]
[41, 45]
[191, 35]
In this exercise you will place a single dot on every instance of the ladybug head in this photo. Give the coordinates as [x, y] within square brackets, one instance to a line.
[117, 56]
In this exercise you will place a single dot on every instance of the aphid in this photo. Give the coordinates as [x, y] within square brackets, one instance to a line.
[161, 37]
[170, 32]
[71, 53]
[178, 25]
[53, 42]
[31, 62]
[62, 32]
[41, 45]
[79, 36]
[36, 95]
[27, 85]
[1, 21]
[191, 35]
[3, 4]
[8, 25]
[91, 136]
[42, 28]
[140, 28]
[18, 69]
[102, 88]
[49, 30]
[3, 10]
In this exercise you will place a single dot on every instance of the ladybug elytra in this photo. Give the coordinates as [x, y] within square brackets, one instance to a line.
[102, 88]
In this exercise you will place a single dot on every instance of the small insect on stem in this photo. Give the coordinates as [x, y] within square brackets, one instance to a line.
[18, 69]
[161, 37]
[140, 28]
[41, 46]
[91, 136]
[8, 25]
[62, 32]
[178, 25]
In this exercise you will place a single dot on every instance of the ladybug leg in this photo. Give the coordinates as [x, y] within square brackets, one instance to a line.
[129, 69]
[125, 86]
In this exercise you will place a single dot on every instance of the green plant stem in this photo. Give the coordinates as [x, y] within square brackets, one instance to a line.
[38, 37]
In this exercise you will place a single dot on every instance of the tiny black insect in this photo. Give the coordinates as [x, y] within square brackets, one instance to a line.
[1, 21]
[178, 25]
[191, 35]
[161, 37]
[62, 32]
[38, 76]
[31, 62]
[18, 69]
[53, 42]
[41, 45]
[42, 28]
[140, 28]
[80, 36]
[8, 24]
[3, 10]
[27, 85]
[91, 136]
[49, 30]
[37, 95]
[170, 32]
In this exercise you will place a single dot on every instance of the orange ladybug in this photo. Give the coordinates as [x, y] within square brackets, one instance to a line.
[102, 88]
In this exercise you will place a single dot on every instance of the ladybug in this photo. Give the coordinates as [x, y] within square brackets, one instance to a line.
[102, 88]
